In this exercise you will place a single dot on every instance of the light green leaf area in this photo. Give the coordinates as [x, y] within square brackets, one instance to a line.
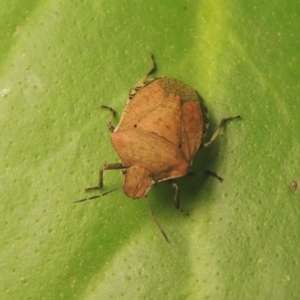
[59, 61]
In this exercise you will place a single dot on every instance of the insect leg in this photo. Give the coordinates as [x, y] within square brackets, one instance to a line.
[110, 127]
[176, 197]
[151, 71]
[115, 166]
[206, 172]
[222, 123]
[141, 83]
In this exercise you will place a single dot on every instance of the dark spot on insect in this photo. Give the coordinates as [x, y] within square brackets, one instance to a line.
[135, 125]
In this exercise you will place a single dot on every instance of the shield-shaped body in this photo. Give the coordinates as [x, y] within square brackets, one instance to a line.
[160, 131]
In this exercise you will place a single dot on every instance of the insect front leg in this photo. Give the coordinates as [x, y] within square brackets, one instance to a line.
[176, 197]
[116, 166]
[222, 123]
[206, 172]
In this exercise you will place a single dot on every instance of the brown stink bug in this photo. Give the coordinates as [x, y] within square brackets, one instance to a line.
[161, 129]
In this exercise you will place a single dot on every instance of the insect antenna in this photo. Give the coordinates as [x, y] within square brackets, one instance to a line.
[97, 196]
[157, 223]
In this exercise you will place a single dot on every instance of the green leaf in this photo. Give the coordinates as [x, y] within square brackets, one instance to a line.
[59, 62]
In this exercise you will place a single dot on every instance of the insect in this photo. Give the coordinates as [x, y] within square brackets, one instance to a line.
[161, 129]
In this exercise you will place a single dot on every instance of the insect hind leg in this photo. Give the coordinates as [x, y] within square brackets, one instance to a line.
[143, 81]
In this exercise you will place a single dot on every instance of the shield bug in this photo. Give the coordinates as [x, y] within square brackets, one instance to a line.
[161, 129]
